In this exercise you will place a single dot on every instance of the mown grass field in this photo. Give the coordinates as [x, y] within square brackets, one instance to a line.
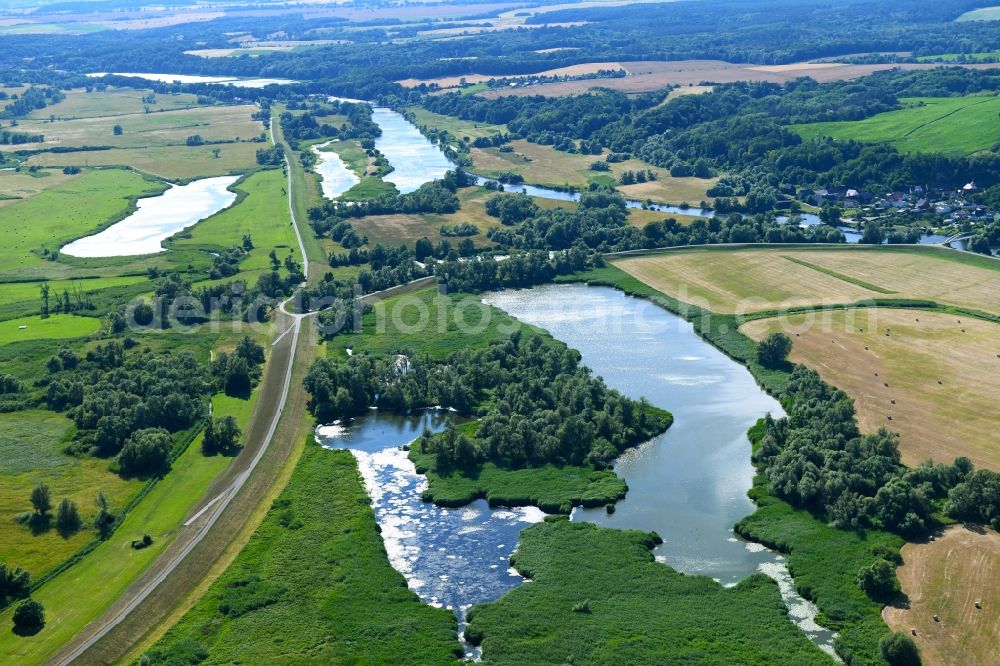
[755, 279]
[597, 596]
[314, 584]
[947, 577]
[113, 102]
[141, 130]
[174, 163]
[935, 375]
[58, 215]
[53, 327]
[962, 125]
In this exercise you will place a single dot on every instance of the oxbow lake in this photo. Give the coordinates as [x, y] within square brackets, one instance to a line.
[689, 484]
[414, 159]
[158, 218]
[335, 177]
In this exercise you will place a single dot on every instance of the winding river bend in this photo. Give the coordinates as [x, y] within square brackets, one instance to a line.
[688, 484]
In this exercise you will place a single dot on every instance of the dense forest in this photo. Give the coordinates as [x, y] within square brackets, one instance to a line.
[535, 402]
[742, 128]
[765, 32]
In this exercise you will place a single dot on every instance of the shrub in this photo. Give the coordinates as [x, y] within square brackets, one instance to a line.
[68, 517]
[147, 452]
[772, 351]
[900, 650]
[29, 617]
[878, 580]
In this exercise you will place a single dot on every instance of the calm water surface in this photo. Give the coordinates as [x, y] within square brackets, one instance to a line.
[690, 483]
[452, 558]
[414, 158]
[158, 218]
[336, 178]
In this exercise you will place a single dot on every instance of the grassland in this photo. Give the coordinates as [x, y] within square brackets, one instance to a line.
[262, 212]
[934, 375]
[402, 228]
[987, 56]
[371, 185]
[22, 298]
[946, 577]
[597, 596]
[326, 592]
[31, 452]
[143, 130]
[755, 279]
[113, 102]
[394, 325]
[72, 600]
[174, 163]
[76, 208]
[962, 125]
[53, 327]
[18, 185]
[456, 126]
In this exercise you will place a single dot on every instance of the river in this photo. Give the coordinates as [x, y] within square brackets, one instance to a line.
[688, 484]
[157, 218]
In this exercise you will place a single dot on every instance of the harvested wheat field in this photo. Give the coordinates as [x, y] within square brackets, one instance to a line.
[946, 577]
[932, 377]
[757, 279]
[648, 76]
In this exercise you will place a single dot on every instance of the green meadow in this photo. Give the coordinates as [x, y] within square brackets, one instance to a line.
[53, 327]
[314, 585]
[261, 211]
[960, 125]
[61, 214]
[71, 599]
[597, 596]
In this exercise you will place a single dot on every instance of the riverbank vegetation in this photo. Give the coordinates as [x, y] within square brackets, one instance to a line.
[833, 528]
[314, 583]
[592, 586]
[545, 431]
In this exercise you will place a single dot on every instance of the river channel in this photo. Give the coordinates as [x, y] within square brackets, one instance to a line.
[689, 484]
